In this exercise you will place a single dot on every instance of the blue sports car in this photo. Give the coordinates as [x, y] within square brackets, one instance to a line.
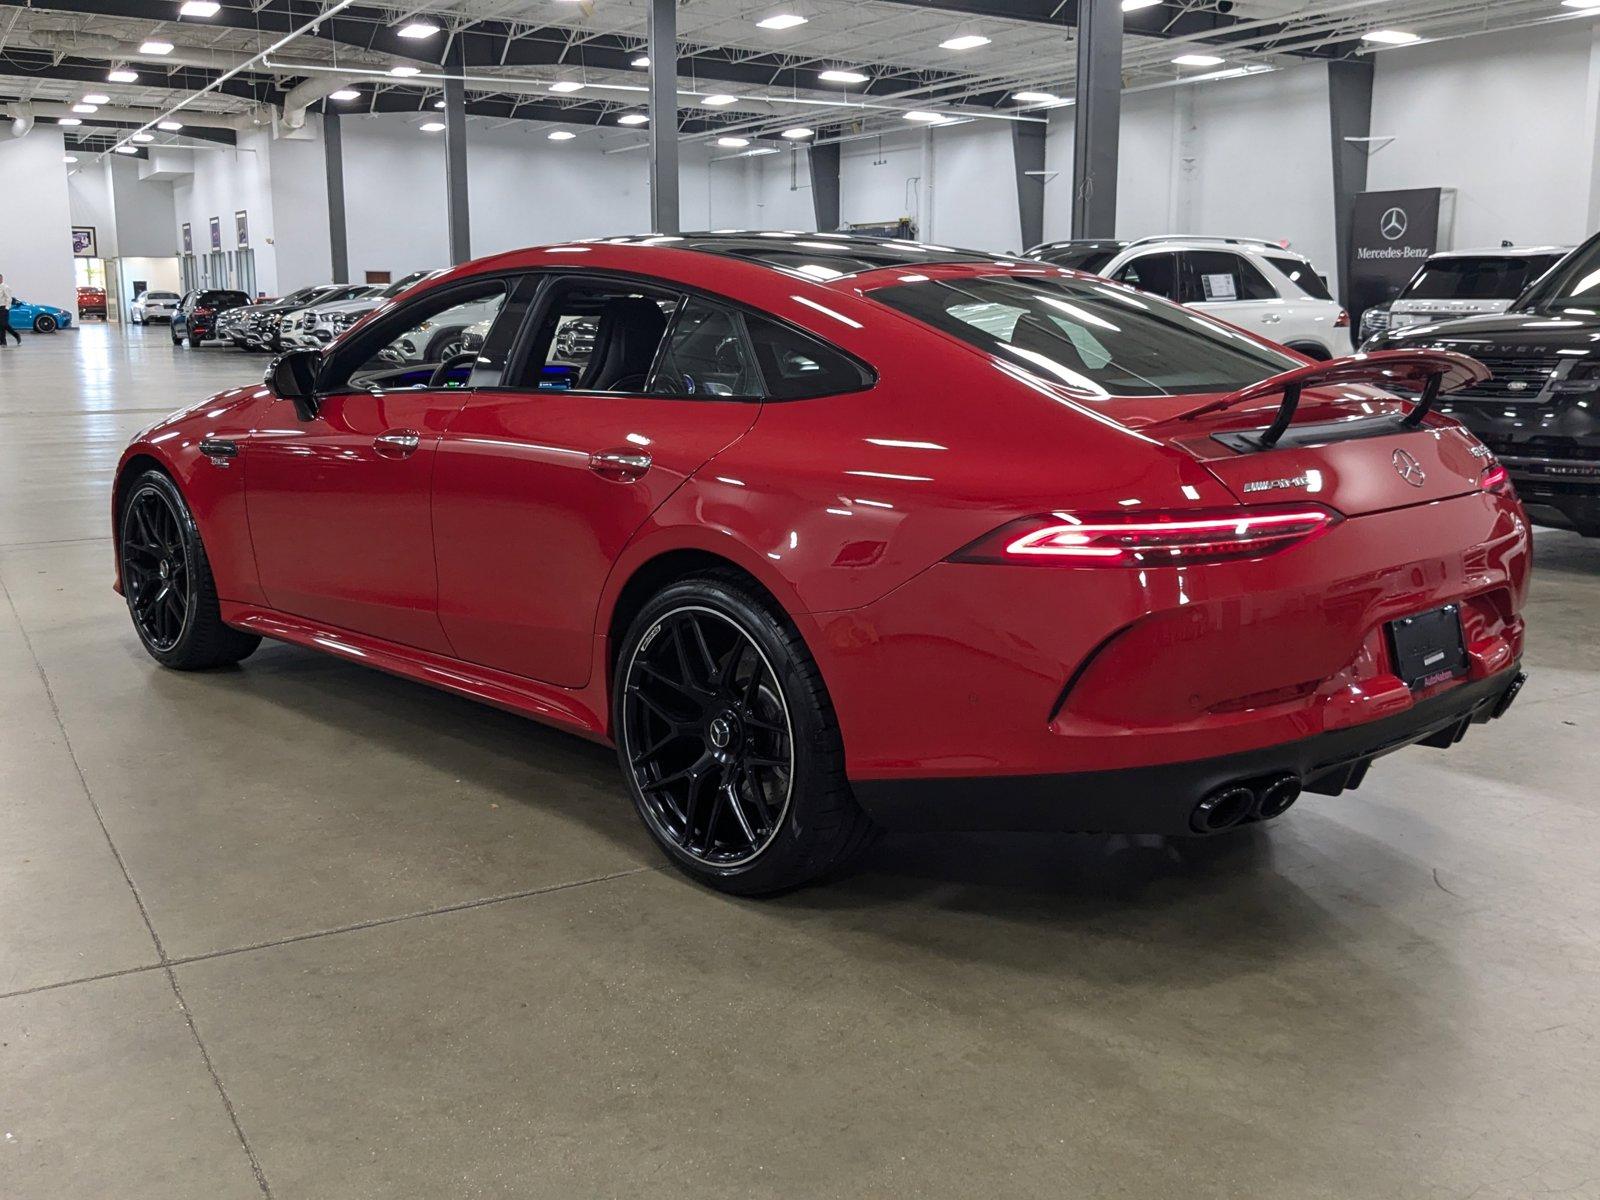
[41, 318]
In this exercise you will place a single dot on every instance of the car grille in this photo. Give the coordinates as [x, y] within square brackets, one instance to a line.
[1522, 377]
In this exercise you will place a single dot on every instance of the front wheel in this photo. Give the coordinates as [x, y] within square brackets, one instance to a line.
[44, 323]
[166, 580]
[729, 743]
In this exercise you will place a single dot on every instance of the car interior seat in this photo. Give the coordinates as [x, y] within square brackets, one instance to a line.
[624, 345]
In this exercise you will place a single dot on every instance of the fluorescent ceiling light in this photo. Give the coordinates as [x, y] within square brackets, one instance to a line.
[1394, 37]
[1198, 60]
[642, 61]
[404, 72]
[1136, 5]
[566, 85]
[967, 41]
[632, 119]
[733, 143]
[1582, 5]
[836, 76]
[1035, 98]
[760, 150]
[69, 158]
[417, 30]
[781, 21]
[199, 8]
[927, 118]
[155, 47]
[431, 126]
[97, 98]
[718, 101]
[798, 132]
[122, 76]
[127, 150]
[170, 126]
[68, 121]
[86, 108]
[561, 135]
[345, 94]
[144, 137]
[438, 104]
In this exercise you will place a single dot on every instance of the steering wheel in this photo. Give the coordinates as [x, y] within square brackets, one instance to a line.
[441, 374]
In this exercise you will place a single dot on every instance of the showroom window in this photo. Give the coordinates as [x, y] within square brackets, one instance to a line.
[1220, 276]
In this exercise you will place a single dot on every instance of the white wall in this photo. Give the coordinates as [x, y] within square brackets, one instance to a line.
[225, 180]
[36, 234]
[145, 211]
[89, 200]
[1506, 120]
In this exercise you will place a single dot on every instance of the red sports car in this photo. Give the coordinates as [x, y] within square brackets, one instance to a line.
[827, 533]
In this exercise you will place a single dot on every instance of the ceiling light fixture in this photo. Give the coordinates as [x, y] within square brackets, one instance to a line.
[967, 41]
[1582, 5]
[432, 127]
[170, 126]
[566, 85]
[733, 143]
[561, 135]
[417, 30]
[406, 72]
[69, 158]
[632, 119]
[97, 98]
[345, 94]
[797, 133]
[127, 150]
[833, 75]
[1198, 60]
[642, 61]
[781, 21]
[144, 137]
[926, 118]
[86, 108]
[1035, 98]
[1391, 37]
[1136, 5]
[759, 150]
[155, 47]
[718, 101]
[122, 76]
[199, 8]
[68, 121]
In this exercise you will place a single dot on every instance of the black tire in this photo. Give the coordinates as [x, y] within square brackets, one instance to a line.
[166, 580]
[176, 340]
[44, 323]
[778, 830]
[444, 344]
[194, 342]
[1310, 350]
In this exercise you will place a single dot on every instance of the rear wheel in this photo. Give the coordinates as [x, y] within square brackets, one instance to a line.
[44, 323]
[194, 341]
[1310, 350]
[729, 742]
[167, 582]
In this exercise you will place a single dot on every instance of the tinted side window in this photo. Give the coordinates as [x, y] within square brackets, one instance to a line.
[1302, 275]
[1151, 273]
[1218, 276]
[705, 355]
[796, 366]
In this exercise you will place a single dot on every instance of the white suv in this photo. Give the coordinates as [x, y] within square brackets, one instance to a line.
[1259, 286]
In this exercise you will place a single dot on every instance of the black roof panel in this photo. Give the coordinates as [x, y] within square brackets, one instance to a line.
[814, 255]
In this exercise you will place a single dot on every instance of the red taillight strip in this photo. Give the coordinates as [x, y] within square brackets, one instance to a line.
[1495, 479]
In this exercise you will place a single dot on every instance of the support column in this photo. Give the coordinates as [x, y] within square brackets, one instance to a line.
[825, 185]
[1027, 156]
[455, 160]
[664, 116]
[1350, 116]
[1591, 132]
[333, 160]
[1098, 119]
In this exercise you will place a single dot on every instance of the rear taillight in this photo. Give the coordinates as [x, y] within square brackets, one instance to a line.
[1495, 478]
[1148, 539]
[1342, 321]
[205, 312]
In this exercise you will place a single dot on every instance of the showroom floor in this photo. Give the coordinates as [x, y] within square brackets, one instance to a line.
[303, 930]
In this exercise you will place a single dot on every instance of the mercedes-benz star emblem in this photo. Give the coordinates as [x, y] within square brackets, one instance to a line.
[1408, 468]
[721, 733]
[1393, 224]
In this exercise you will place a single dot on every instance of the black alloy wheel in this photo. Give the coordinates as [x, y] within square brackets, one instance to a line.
[729, 743]
[44, 323]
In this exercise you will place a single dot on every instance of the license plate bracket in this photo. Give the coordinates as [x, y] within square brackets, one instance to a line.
[1428, 647]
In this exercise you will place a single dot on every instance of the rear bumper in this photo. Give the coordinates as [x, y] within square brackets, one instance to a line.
[1162, 799]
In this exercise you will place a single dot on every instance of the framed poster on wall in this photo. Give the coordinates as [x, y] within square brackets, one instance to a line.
[188, 238]
[83, 242]
[216, 233]
[241, 229]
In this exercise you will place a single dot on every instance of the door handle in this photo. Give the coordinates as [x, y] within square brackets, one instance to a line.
[622, 465]
[397, 443]
[1270, 319]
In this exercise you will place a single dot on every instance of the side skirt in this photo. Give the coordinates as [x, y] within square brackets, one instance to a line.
[572, 710]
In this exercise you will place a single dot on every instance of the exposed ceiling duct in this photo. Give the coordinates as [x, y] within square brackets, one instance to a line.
[21, 119]
[130, 116]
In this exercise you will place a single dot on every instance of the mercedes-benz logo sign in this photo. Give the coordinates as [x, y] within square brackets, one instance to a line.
[1408, 468]
[1393, 224]
[721, 732]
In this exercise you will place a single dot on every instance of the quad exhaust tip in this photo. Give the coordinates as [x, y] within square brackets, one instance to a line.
[1260, 800]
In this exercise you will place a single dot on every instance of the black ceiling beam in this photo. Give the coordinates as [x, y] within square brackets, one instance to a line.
[223, 137]
[506, 107]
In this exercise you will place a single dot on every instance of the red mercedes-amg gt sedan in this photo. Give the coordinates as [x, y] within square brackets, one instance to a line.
[827, 533]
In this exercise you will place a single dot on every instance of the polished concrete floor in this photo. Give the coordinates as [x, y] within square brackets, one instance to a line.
[302, 930]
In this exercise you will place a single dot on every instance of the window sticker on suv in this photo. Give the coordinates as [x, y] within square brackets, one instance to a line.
[1219, 287]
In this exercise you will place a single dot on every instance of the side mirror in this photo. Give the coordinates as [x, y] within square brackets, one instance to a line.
[293, 376]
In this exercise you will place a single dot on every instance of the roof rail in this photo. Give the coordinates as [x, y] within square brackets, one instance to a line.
[1190, 237]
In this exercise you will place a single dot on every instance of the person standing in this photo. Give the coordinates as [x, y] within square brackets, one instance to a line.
[6, 299]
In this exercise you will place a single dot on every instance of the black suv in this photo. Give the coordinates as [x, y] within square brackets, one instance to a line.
[1540, 410]
[196, 318]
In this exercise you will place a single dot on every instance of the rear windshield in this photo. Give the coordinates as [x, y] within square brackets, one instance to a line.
[1487, 278]
[1302, 275]
[222, 299]
[1095, 338]
[161, 295]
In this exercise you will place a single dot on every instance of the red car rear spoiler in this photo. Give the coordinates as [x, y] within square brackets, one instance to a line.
[1437, 371]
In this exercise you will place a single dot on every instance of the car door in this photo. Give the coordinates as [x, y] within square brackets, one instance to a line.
[1226, 285]
[541, 482]
[339, 500]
